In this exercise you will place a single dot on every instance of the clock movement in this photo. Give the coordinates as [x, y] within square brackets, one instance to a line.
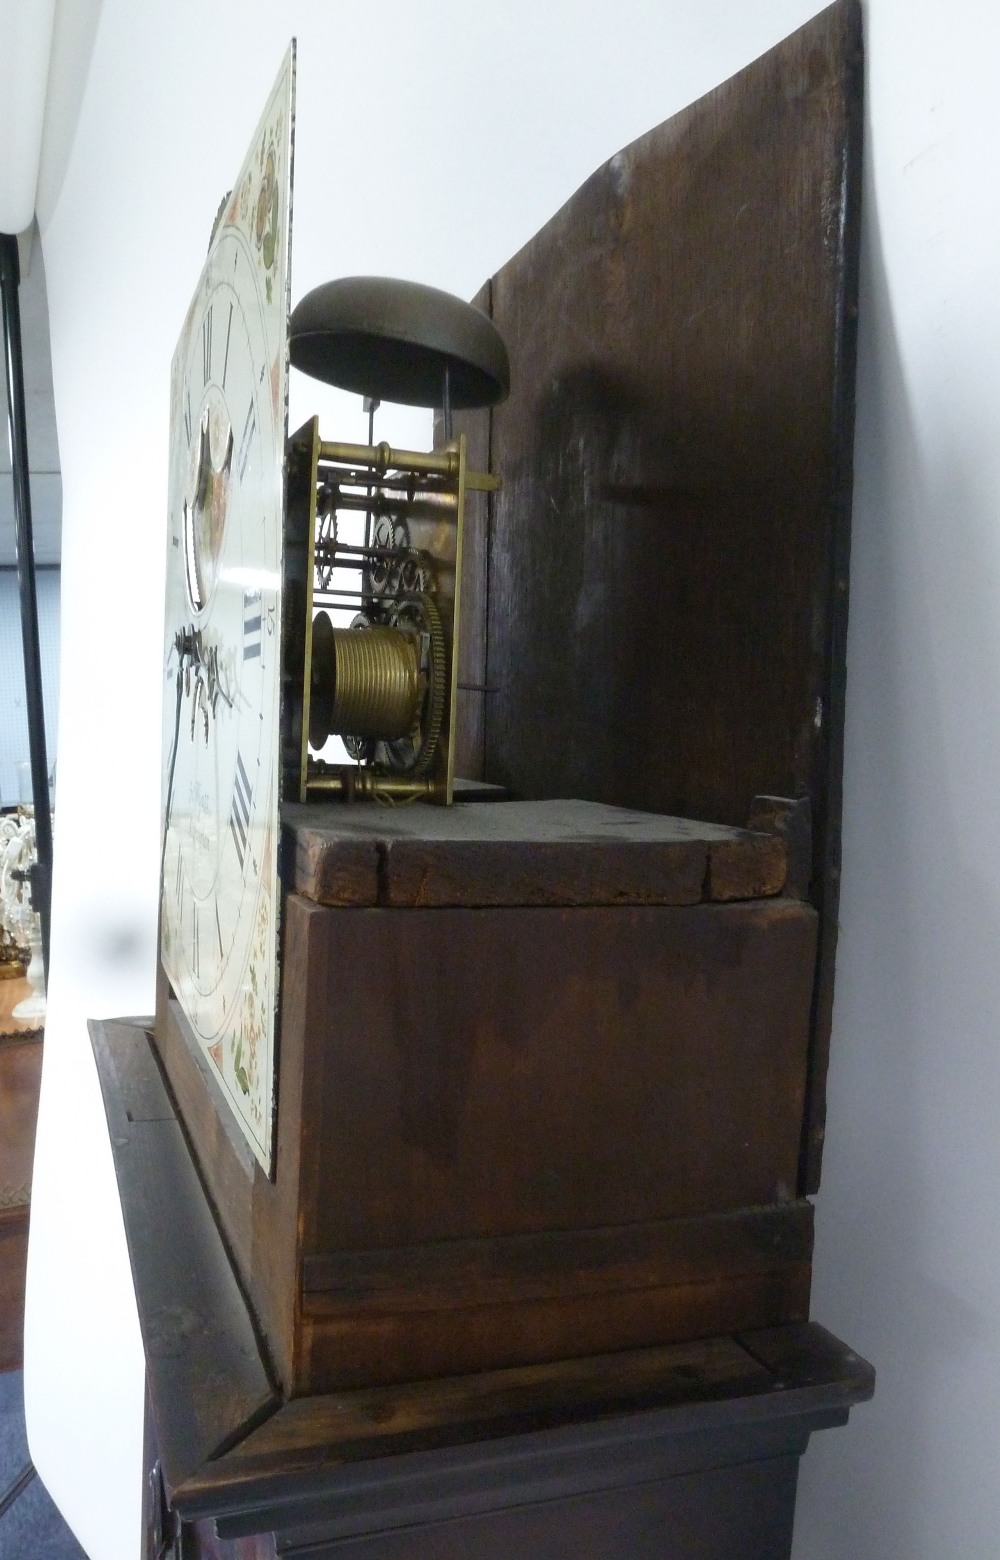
[386, 682]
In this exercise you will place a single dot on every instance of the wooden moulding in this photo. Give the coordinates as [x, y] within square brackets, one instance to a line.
[209, 1376]
[532, 1298]
[196, 1329]
[524, 853]
[331, 1467]
[348, 1346]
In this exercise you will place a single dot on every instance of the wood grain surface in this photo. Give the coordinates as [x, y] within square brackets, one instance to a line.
[668, 554]
[524, 853]
[638, 1414]
[517, 1267]
[208, 1381]
[511, 1071]
[330, 1468]
[545, 1073]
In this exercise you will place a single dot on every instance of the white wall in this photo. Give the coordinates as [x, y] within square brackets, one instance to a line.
[908, 1235]
[488, 113]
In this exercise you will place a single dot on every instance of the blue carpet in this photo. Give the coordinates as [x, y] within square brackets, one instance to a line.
[32, 1528]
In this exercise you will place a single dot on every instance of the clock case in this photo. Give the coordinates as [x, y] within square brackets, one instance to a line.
[552, 1075]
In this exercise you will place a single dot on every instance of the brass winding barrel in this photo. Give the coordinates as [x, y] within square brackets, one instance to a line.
[365, 682]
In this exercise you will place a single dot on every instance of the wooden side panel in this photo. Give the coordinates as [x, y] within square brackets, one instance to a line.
[660, 568]
[208, 1384]
[530, 1070]
[259, 1217]
[534, 1073]
[505, 1270]
[743, 1510]
[668, 562]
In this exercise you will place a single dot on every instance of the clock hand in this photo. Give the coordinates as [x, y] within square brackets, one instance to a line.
[210, 680]
[204, 513]
[209, 476]
[181, 645]
[209, 689]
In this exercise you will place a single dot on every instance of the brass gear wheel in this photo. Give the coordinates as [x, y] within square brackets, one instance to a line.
[435, 693]
[421, 613]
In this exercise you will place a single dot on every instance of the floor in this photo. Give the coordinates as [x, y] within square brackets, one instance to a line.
[31, 1529]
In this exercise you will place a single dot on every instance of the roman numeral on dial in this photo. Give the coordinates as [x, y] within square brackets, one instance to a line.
[239, 817]
[251, 625]
[206, 347]
[225, 360]
[246, 439]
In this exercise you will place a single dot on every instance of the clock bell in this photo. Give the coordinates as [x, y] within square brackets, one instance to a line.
[375, 645]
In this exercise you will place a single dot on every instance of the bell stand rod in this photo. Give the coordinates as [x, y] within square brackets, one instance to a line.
[41, 872]
[371, 405]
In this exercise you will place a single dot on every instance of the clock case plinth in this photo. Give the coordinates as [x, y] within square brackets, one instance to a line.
[677, 1451]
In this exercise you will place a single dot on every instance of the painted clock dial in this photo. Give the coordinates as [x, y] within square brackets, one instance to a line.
[219, 906]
